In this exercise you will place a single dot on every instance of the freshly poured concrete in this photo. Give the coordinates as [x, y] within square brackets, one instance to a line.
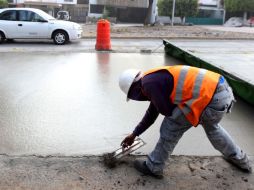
[70, 104]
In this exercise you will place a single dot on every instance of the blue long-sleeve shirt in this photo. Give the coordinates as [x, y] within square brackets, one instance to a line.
[156, 88]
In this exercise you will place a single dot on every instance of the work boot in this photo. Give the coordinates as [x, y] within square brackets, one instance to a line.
[243, 164]
[141, 166]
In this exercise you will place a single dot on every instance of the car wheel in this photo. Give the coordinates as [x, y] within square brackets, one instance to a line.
[2, 37]
[60, 37]
[10, 40]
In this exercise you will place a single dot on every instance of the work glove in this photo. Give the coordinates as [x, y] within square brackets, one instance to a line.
[128, 141]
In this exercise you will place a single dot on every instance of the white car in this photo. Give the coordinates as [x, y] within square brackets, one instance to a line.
[30, 23]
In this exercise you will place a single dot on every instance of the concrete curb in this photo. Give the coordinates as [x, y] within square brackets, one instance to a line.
[65, 173]
[179, 38]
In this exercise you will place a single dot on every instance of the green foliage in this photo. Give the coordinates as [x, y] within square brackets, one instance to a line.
[239, 5]
[186, 8]
[165, 7]
[3, 3]
[183, 8]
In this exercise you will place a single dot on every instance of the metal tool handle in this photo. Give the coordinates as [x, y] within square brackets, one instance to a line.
[138, 143]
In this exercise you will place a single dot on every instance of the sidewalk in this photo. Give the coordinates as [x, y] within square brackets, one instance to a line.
[169, 32]
[244, 29]
[66, 173]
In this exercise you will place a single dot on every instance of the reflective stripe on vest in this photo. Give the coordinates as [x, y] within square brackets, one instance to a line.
[193, 89]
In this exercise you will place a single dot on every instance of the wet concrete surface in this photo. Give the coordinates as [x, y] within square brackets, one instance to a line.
[83, 45]
[66, 103]
[70, 104]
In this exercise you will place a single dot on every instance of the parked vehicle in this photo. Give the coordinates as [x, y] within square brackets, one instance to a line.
[63, 15]
[31, 23]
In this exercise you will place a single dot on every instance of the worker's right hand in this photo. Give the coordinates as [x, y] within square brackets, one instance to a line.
[128, 141]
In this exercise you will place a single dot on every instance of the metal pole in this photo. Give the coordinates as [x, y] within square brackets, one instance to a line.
[224, 16]
[173, 13]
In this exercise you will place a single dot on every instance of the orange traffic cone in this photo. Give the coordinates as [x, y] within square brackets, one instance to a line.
[103, 35]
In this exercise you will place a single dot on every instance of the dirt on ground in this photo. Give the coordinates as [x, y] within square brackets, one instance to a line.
[65, 173]
[166, 31]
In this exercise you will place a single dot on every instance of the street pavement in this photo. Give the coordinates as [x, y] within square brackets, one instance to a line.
[61, 108]
[84, 45]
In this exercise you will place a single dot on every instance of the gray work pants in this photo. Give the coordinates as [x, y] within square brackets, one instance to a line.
[173, 127]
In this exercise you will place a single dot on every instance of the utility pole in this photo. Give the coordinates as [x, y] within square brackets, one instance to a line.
[173, 13]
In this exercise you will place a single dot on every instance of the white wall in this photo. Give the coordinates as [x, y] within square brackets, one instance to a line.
[94, 15]
[208, 2]
[18, 1]
[65, 2]
[47, 1]
[123, 3]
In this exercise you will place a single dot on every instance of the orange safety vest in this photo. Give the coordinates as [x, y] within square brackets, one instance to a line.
[193, 89]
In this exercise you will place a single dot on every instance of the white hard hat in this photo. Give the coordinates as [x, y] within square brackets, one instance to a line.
[127, 78]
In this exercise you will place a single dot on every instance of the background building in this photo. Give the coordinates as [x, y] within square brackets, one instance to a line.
[122, 10]
[78, 9]
[209, 12]
[132, 11]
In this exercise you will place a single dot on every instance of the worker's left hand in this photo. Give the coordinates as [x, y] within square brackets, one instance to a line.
[128, 141]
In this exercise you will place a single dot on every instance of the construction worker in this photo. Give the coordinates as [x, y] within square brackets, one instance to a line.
[186, 96]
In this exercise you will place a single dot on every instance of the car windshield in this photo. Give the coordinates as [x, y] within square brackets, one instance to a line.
[45, 15]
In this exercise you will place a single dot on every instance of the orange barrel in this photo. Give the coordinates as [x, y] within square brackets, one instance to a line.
[103, 35]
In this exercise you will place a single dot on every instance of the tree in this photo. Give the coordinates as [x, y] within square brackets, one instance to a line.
[239, 6]
[186, 8]
[165, 7]
[183, 8]
[151, 12]
[3, 3]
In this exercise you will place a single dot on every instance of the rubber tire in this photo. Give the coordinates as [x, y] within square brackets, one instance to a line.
[10, 40]
[60, 37]
[2, 37]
